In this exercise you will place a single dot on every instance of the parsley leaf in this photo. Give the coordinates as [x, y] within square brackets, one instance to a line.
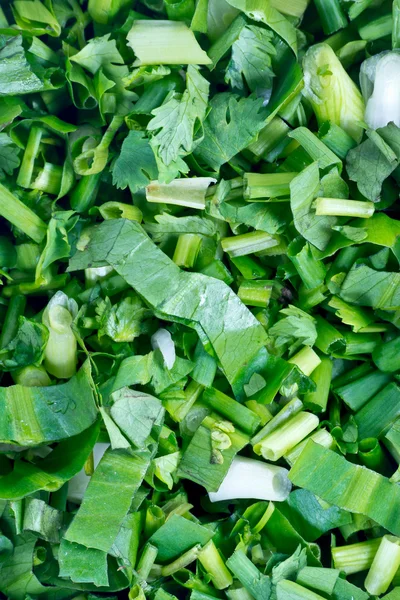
[136, 165]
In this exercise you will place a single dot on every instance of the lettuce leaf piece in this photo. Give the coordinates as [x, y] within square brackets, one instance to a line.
[367, 287]
[50, 473]
[136, 414]
[27, 347]
[9, 159]
[337, 481]
[81, 564]
[42, 519]
[229, 128]
[58, 243]
[220, 319]
[108, 498]
[168, 227]
[36, 18]
[16, 571]
[178, 535]
[40, 415]
[304, 188]
[136, 165]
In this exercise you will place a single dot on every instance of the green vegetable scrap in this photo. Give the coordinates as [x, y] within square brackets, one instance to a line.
[199, 299]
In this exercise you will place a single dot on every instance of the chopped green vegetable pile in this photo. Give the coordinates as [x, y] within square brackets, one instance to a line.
[200, 299]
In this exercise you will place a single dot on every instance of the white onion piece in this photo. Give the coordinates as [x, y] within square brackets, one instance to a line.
[78, 484]
[249, 478]
[384, 104]
[163, 341]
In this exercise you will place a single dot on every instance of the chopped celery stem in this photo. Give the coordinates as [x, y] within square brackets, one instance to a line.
[287, 436]
[384, 566]
[187, 250]
[212, 562]
[355, 558]
[306, 360]
[267, 185]
[28, 160]
[256, 293]
[338, 207]
[15, 211]
[331, 15]
[248, 243]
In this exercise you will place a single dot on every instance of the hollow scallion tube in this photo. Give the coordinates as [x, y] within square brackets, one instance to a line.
[338, 207]
[187, 250]
[336, 138]
[32, 376]
[256, 293]
[31, 150]
[287, 436]
[306, 359]
[384, 566]
[249, 478]
[321, 437]
[60, 356]
[212, 562]
[84, 194]
[267, 185]
[248, 243]
[15, 310]
[355, 558]
[20, 215]
[331, 15]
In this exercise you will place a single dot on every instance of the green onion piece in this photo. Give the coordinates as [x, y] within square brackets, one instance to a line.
[48, 179]
[223, 43]
[180, 563]
[396, 24]
[267, 185]
[269, 138]
[84, 194]
[155, 517]
[187, 250]
[205, 366]
[392, 440]
[360, 343]
[306, 360]
[61, 347]
[358, 392]
[15, 310]
[8, 253]
[94, 160]
[27, 256]
[337, 207]
[373, 456]
[218, 270]
[262, 411]
[321, 437]
[317, 401]
[386, 355]
[375, 28]
[355, 557]
[240, 416]
[250, 268]
[181, 192]
[180, 10]
[336, 139]
[331, 15]
[347, 496]
[293, 8]
[179, 409]
[28, 161]
[379, 413]
[286, 590]
[176, 44]
[287, 412]
[146, 561]
[384, 566]
[248, 243]
[119, 210]
[238, 593]
[287, 436]
[311, 271]
[54, 283]
[352, 375]
[316, 148]
[256, 583]
[32, 376]
[256, 293]
[96, 274]
[15, 211]
[352, 53]
[211, 560]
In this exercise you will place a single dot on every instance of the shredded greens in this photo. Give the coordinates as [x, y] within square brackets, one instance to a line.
[199, 299]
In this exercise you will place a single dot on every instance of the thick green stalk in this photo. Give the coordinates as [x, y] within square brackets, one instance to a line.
[212, 562]
[384, 566]
[28, 161]
[16, 308]
[84, 194]
[15, 211]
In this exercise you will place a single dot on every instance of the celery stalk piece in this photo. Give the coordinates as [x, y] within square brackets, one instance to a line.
[176, 44]
[181, 192]
[249, 478]
[248, 243]
[337, 207]
[15, 211]
[287, 436]
[212, 561]
[384, 566]
[306, 359]
[333, 95]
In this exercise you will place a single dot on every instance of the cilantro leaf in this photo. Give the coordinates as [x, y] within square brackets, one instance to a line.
[251, 61]
[231, 125]
[136, 165]
[175, 122]
[9, 159]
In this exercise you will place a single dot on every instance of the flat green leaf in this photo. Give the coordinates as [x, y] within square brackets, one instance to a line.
[136, 414]
[39, 415]
[262, 10]
[366, 287]
[178, 535]
[230, 126]
[108, 498]
[9, 159]
[16, 572]
[369, 167]
[171, 292]
[175, 121]
[27, 347]
[136, 165]
[83, 565]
